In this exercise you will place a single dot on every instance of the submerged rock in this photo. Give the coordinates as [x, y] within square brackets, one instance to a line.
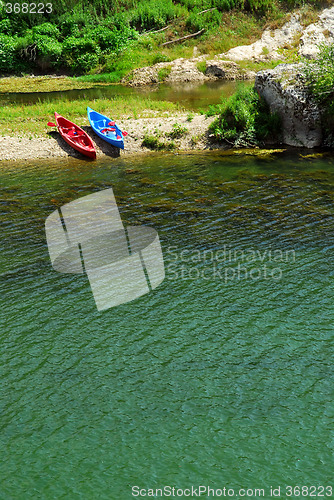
[283, 90]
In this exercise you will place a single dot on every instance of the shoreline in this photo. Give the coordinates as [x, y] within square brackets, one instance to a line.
[51, 145]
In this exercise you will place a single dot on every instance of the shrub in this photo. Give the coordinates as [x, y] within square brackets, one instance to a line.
[76, 46]
[319, 78]
[7, 53]
[5, 27]
[196, 22]
[46, 29]
[163, 73]
[112, 40]
[201, 66]
[85, 62]
[245, 119]
[152, 142]
[154, 13]
[178, 131]
[159, 57]
[319, 74]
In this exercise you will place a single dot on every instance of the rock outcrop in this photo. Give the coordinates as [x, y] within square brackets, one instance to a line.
[224, 66]
[266, 48]
[282, 88]
[186, 70]
[292, 34]
[321, 32]
[228, 70]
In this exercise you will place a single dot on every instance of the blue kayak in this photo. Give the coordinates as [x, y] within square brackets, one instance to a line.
[106, 128]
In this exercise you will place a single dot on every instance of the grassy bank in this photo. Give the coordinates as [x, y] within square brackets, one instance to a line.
[31, 120]
[104, 41]
[44, 84]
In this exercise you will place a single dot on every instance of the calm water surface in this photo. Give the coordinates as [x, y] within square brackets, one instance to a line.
[203, 381]
[192, 96]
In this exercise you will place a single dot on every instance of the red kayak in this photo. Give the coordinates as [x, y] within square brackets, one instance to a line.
[74, 136]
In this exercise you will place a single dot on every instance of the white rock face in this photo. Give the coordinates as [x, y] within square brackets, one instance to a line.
[266, 47]
[283, 91]
[318, 33]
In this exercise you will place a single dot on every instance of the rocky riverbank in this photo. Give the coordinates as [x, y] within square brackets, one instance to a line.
[170, 132]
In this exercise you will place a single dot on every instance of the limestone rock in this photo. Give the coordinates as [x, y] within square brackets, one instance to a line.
[228, 70]
[283, 90]
[185, 70]
[143, 76]
[321, 32]
[266, 47]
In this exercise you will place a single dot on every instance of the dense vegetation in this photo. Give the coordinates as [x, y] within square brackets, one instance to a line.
[97, 36]
[244, 120]
[319, 78]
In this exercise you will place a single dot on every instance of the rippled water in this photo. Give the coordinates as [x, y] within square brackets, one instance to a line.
[206, 380]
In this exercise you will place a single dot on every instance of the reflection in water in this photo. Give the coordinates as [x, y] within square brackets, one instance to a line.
[192, 96]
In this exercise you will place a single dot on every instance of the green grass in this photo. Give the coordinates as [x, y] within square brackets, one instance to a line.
[107, 78]
[201, 66]
[43, 84]
[163, 73]
[22, 120]
[318, 76]
[177, 131]
[153, 142]
[245, 120]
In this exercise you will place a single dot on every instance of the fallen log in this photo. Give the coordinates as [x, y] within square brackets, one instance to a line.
[162, 29]
[183, 38]
[151, 32]
[207, 10]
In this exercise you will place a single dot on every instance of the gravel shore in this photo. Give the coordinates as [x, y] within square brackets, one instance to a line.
[52, 145]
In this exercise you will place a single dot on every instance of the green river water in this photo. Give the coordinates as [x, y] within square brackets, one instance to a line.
[219, 377]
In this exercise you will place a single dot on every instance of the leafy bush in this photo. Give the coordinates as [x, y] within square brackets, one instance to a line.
[46, 29]
[152, 142]
[319, 78]
[154, 13]
[7, 53]
[163, 73]
[76, 46]
[201, 66]
[178, 131]
[112, 40]
[85, 62]
[159, 57]
[5, 27]
[196, 21]
[245, 119]
[319, 74]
